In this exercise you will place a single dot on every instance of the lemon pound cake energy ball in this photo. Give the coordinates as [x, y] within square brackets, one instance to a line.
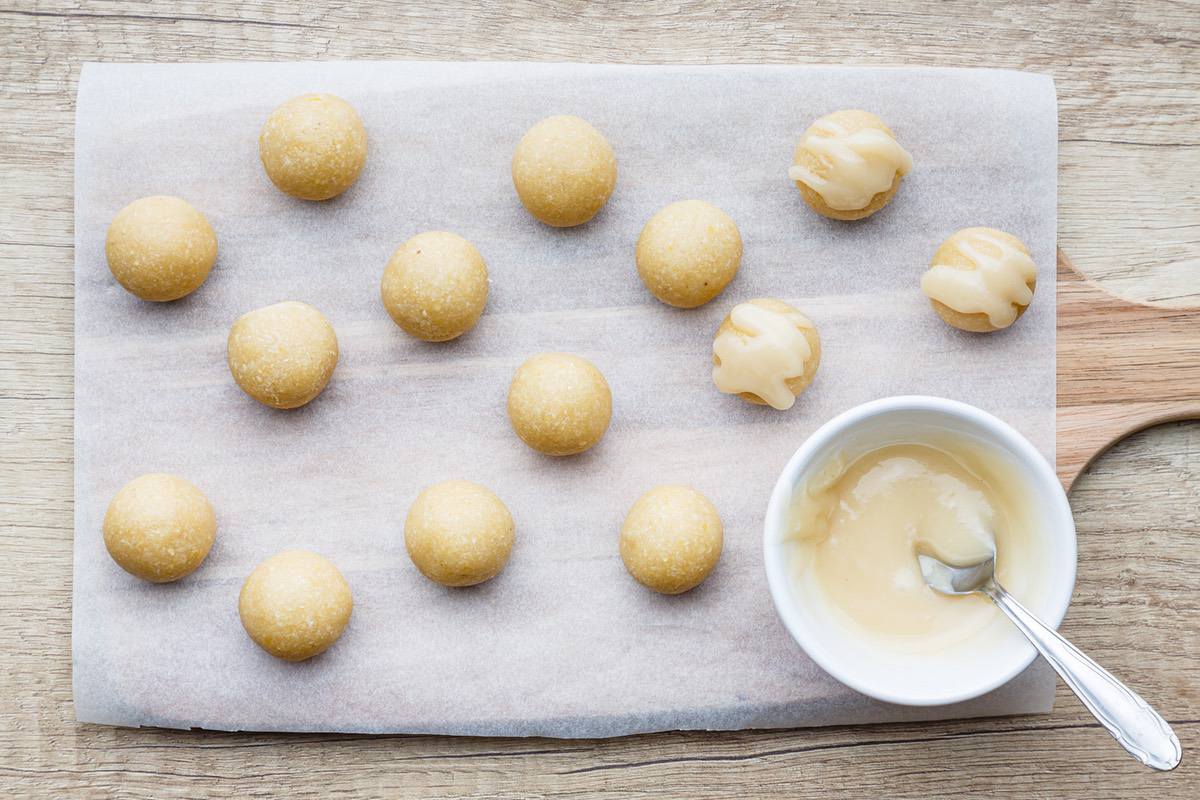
[848, 165]
[160, 248]
[564, 171]
[559, 404]
[688, 253]
[980, 280]
[766, 352]
[282, 355]
[159, 527]
[435, 286]
[458, 533]
[295, 605]
[671, 539]
[313, 146]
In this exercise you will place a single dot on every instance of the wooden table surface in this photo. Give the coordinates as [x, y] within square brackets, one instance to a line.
[1128, 77]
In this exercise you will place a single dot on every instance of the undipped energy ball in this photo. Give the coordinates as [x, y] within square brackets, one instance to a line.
[688, 252]
[159, 527]
[295, 605]
[564, 171]
[282, 355]
[980, 280]
[435, 286]
[313, 146]
[160, 248]
[458, 533]
[559, 404]
[671, 539]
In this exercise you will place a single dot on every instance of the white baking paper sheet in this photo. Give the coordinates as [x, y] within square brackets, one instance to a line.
[564, 642]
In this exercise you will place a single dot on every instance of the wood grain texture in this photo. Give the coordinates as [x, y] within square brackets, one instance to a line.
[1128, 77]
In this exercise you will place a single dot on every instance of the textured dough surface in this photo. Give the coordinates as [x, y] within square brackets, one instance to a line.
[313, 146]
[435, 286]
[799, 383]
[950, 254]
[559, 404]
[852, 121]
[282, 355]
[295, 605]
[564, 171]
[459, 533]
[688, 253]
[671, 539]
[160, 248]
[159, 527]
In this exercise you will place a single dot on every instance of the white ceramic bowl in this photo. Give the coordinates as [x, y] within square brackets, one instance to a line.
[919, 678]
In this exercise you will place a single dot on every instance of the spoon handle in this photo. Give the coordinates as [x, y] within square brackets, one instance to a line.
[1130, 719]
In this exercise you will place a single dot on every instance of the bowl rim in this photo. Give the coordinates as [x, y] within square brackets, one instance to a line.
[1030, 460]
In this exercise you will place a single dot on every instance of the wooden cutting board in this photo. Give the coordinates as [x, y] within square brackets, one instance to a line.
[1122, 366]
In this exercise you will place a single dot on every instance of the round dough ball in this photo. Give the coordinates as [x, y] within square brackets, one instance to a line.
[853, 178]
[671, 539]
[559, 404]
[458, 533]
[435, 286]
[159, 527]
[1010, 278]
[688, 252]
[313, 146]
[282, 355]
[803, 326]
[564, 171]
[160, 248]
[295, 605]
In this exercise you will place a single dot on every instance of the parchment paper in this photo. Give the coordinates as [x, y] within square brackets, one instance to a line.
[563, 643]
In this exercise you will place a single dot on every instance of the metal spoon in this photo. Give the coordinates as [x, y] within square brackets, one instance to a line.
[1130, 719]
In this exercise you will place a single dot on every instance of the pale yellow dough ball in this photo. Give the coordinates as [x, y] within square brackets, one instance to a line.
[282, 355]
[458, 533]
[160, 248]
[671, 539]
[559, 404]
[795, 384]
[295, 605]
[564, 171]
[159, 527]
[1004, 254]
[688, 253]
[435, 286]
[313, 146]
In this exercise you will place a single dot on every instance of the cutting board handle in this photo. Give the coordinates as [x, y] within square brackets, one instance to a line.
[1122, 367]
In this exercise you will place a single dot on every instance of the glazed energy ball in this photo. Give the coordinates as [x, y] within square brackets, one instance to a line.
[848, 165]
[564, 171]
[671, 539]
[980, 279]
[688, 252]
[159, 527]
[160, 248]
[766, 352]
[282, 355]
[458, 533]
[559, 404]
[435, 286]
[313, 146]
[295, 605]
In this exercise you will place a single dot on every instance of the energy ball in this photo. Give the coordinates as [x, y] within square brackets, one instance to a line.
[160, 248]
[766, 352]
[458, 533]
[559, 404]
[159, 527]
[282, 355]
[295, 605]
[688, 252]
[848, 165]
[435, 286]
[564, 171]
[980, 280]
[313, 146]
[671, 539]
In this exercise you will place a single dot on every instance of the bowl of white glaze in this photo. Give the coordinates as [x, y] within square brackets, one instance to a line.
[919, 678]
